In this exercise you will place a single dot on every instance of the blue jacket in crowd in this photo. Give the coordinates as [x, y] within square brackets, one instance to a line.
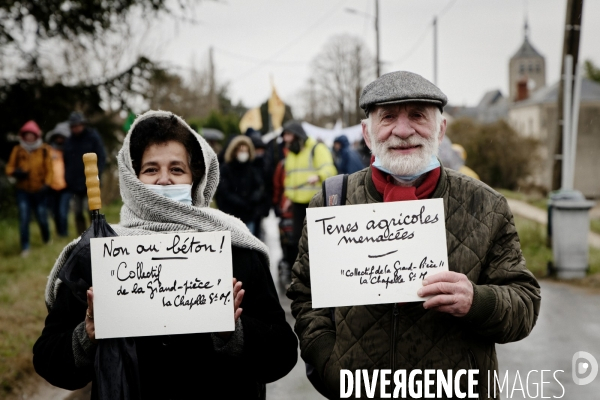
[347, 160]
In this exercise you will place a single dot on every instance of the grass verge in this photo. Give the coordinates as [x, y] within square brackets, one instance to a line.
[22, 307]
[537, 201]
[542, 203]
[537, 255]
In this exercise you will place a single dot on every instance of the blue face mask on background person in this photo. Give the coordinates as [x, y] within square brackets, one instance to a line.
[181, 193]
[433, 164]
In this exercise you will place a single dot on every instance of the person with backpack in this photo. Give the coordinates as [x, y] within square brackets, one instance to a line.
[31, 165]
[307, 165]
[487, 296]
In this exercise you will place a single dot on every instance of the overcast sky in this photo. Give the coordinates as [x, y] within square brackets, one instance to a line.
[255, 39]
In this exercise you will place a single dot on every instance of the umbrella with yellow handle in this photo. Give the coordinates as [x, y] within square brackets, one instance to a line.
[77, 271]
[115, 363]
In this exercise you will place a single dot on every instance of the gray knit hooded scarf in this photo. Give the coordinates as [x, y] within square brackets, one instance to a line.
[145, 212]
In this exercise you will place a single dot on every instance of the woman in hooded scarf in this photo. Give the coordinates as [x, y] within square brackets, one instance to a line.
[241, 189]
[168, 175]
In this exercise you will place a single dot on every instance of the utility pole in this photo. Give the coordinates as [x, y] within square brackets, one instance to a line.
[377, 59]
[376, 23]
[570, 47]
[212, 95]
[435, 51]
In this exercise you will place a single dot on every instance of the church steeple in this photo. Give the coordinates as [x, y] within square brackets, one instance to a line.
[526, 65]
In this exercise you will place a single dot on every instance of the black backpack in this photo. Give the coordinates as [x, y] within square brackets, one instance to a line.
[334, 194]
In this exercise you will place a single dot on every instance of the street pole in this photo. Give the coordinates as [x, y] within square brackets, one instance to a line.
[566, 126]
[435, 51]
[212, 92]
[376, 23]
[377, 59]
[570, 46]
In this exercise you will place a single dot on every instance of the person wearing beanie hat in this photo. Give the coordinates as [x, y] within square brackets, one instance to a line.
[76, 119]
[30, 164]
[307, 165]
[487, 296]
[58, 196]
[83, 139]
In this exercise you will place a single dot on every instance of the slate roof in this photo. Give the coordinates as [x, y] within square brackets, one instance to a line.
[590, 92]
[490, 98]
[527, 50]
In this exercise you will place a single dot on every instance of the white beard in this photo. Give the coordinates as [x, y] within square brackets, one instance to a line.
[406, 165]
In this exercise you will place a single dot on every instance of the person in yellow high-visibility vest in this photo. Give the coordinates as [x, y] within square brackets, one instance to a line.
[307, 165]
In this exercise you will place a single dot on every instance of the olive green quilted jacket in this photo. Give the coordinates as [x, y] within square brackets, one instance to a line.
[482, 243]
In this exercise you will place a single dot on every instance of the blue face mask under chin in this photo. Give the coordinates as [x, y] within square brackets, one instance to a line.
[181, 193]
[433, 164]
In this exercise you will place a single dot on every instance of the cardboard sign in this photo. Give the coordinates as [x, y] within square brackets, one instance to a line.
[374, 253]
[162, 284]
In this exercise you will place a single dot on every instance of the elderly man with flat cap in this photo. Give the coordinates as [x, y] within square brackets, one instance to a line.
[488, 296]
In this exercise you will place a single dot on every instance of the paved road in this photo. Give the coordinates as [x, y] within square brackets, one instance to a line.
[569, 321]
[294, 385]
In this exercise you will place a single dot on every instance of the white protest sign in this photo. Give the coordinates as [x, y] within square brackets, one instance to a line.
[374, 253]
[162, 284]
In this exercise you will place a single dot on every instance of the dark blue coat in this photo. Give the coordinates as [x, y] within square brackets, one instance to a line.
[347, 160]
[88, 141]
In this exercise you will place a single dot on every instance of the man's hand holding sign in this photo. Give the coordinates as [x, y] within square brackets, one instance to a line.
[450, 292]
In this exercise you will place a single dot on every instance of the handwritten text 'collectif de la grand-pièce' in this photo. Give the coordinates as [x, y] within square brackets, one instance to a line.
[146, 279]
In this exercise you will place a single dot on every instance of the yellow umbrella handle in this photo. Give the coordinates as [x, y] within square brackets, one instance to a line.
[90, 161]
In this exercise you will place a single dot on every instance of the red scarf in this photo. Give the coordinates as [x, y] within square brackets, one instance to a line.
[384, 183]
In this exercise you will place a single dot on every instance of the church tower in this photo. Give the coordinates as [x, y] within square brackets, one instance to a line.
[527, 70]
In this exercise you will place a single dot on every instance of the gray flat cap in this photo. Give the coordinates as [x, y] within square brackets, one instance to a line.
[401, 87]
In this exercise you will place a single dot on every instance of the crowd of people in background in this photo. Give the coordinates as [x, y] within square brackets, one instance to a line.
[169, 173]
[282, 174]
[49, 176]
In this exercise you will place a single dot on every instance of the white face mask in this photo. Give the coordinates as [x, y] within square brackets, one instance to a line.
[243, 156]
[181, 193]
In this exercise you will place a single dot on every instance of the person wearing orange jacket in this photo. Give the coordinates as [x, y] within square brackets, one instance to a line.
[30, 164]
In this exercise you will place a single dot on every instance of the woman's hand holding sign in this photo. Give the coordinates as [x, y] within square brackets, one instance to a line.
[452, 293]
[238, 296]
[90, 328]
